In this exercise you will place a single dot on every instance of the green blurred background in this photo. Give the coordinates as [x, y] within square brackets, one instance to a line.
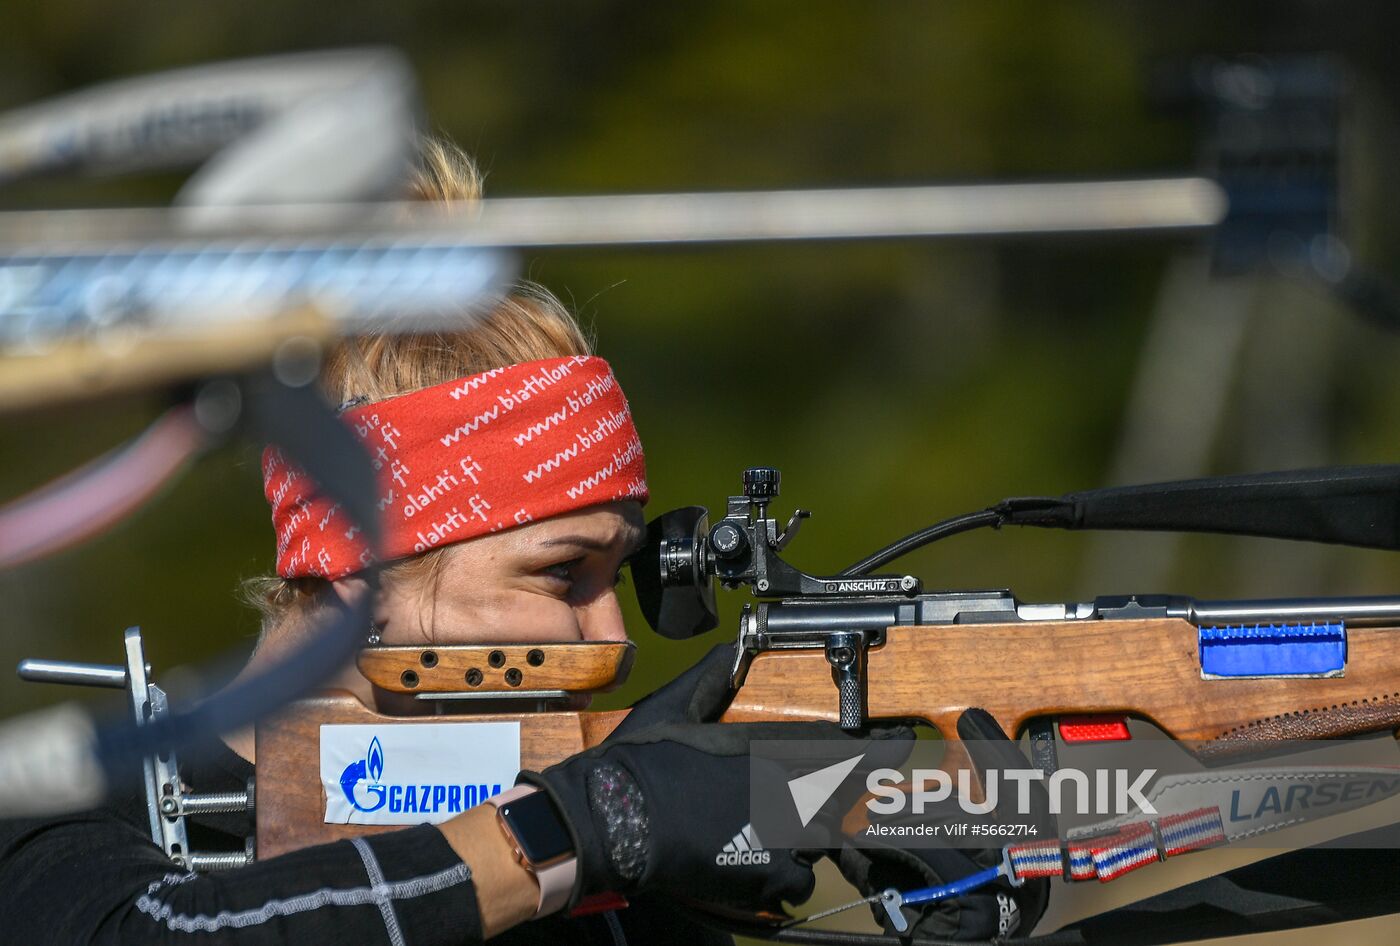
[894, 383]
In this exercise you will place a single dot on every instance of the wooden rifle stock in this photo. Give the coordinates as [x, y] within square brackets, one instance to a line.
[291, 802]
[1147, 668]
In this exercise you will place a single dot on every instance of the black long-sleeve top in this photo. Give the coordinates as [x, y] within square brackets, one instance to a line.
[97, 878]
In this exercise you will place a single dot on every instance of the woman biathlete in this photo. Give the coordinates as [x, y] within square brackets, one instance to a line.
[512, 482]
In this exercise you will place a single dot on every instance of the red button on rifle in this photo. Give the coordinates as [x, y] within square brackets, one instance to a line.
[1094, 728]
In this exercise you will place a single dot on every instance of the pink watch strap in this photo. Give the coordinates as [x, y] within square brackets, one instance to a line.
[557, 880]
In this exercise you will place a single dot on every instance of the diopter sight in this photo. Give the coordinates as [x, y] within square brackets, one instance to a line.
[674, 572]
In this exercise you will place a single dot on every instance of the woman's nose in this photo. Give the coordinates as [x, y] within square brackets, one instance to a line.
[601, 619]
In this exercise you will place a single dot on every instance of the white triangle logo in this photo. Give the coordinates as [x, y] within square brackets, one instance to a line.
[811, 791]
[745, 840]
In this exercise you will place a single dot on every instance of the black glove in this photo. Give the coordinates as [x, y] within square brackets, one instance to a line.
[662, 806]
[697, 696]
[997, 909]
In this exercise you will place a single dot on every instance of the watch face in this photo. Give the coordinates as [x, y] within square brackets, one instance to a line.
[537, 828]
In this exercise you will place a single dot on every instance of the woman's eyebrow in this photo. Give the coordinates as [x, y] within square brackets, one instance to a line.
[593, 544]
[581, 542]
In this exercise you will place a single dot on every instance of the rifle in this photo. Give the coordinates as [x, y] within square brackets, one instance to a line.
[1231, 676]
[856, 646]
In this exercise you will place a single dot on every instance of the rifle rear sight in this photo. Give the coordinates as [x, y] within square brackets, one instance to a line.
[684, 555]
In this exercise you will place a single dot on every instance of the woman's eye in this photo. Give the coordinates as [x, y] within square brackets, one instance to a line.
[564, 571]
[571, 573]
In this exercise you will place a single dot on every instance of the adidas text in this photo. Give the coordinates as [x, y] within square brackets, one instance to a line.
[743, 850]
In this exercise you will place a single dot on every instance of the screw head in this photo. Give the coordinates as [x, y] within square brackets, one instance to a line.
[763, 584]
[907, 583]
[169, 806]
[840, 655]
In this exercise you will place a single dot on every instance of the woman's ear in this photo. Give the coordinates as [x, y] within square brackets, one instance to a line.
[350, 589]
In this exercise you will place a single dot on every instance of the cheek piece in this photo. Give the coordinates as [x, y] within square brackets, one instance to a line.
[469, 457]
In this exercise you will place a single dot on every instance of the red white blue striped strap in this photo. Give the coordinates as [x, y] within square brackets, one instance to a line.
[1127, 848]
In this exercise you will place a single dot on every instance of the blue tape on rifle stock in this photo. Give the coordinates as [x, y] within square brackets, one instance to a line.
[1273, 650]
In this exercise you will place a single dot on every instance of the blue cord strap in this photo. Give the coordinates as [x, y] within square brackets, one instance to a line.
[955, 889]
[892, 900]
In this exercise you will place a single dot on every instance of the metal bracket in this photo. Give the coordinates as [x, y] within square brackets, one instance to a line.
[167, 801]
[790, 530]
[892, 901]
[845, 651]
[771, 576]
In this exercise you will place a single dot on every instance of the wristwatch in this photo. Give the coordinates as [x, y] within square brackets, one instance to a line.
[541, 843]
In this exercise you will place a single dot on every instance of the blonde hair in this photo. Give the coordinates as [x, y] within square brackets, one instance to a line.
[527, 325]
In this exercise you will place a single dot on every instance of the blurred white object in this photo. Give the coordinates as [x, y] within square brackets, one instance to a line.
[308, 127]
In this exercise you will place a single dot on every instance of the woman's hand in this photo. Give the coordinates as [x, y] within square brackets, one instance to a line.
[653, 807]
[997, 910]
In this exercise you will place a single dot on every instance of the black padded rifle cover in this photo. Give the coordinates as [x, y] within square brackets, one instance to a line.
[1347, 505]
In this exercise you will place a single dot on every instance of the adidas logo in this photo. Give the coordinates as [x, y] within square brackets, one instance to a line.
[743, 850]
[1009, 915]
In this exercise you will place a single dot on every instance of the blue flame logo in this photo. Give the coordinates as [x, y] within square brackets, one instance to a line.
[369, 769]
[375, 759]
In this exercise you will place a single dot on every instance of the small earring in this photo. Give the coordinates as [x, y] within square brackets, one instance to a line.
[373, 637]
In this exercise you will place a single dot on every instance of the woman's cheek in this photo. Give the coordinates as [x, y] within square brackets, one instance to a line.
[561, 624]
[538, 621]
[506, 617]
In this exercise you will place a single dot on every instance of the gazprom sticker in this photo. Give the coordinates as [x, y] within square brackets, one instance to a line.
[410, 773]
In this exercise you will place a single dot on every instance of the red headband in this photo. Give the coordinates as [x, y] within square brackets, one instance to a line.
[461, 459]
